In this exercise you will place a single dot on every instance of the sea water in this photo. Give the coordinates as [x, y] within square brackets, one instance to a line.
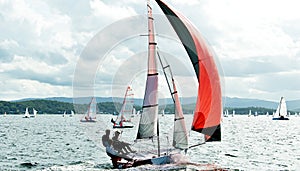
[53, 142]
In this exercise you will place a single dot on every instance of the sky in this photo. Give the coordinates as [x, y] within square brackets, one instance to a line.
[42, 45]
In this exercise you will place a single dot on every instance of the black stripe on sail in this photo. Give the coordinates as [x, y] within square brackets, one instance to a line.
[166, 66]
[152, 74]
[183, 34]
[214, 132]
[176, 119]
[152, 43]
[140, 137]
[150, 106]
[174, 92]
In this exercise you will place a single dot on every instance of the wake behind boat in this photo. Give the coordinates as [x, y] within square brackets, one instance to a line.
[281, 112]
[208, 109]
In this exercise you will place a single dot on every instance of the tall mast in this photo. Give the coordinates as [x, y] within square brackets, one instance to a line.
[148, 125]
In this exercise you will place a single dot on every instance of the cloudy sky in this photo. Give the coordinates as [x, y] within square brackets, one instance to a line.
[257, 43]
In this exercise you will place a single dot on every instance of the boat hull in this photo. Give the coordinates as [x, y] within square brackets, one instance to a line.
[123, 124]
[118, 126]
[88, 121]
[123, 163]
[280, 119]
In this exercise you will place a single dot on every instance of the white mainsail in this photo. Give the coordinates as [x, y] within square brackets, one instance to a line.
[250, 113]
[180, 135]
[72, 113]
[92, 109]
[34, 112]
[281, 109]
[26, 115]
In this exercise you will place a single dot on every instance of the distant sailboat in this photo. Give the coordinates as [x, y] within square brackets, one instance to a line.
[4, 114]
[267, 114]
[281, 112]
[226, 113]
[255, 114]
[163, 113]
[64, 114]
[34, 113]
[122, 120]
[133, 112]
[250, 113]
[72, 113]
[91, 112]
[233, 113]
[26, 115]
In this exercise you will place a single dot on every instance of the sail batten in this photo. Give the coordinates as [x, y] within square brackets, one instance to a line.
[208, 109]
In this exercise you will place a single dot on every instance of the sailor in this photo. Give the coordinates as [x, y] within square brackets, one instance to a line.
[106, 141]
[120, 146]
[112, 121]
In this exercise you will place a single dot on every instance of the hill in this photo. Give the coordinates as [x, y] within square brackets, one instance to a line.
[112, 104]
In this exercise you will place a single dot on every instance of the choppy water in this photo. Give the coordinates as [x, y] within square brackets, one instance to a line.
[53, 142]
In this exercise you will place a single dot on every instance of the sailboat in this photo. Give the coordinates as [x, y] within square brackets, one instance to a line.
[250, 113]
[91, 112]
[208, 110]
[226, 113]
[281, 112]
[26, 115]
[72, 113]
[4, 114]
[64, 114]
[233, 113]
[255, 114]
[122, 120]
[133, 113]
[34, 113]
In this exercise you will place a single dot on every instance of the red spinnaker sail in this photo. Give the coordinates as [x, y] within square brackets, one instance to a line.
[208, 109]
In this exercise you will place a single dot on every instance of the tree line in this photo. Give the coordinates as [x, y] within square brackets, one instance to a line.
[56, 107]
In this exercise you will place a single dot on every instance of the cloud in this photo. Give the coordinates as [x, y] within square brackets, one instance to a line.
[107, 11]
[257, 42]
[30, 88]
